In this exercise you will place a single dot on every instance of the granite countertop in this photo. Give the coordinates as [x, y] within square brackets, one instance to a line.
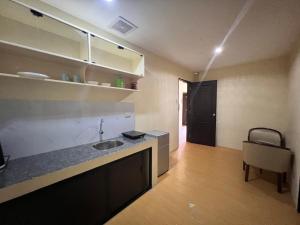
[22, 169]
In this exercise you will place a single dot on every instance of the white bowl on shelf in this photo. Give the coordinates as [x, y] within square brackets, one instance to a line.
[106, 84]
[93, 82]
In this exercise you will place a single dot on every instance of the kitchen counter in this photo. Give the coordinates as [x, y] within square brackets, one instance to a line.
[156, 133]
[28, 174]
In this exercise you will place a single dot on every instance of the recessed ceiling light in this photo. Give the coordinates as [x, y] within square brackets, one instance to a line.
[218, 50]
[109, 0]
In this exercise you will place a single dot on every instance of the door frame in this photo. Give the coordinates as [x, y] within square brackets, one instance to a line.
[184, 119]
[188, 84]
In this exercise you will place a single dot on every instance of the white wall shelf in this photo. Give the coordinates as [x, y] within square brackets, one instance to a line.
[45, 37]
[32, 52]
[15, 76]
[36, 53]
[108, 70]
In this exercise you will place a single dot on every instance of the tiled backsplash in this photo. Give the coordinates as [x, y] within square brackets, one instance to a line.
[33, 127]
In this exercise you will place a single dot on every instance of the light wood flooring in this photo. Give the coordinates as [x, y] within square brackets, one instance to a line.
[206, 186]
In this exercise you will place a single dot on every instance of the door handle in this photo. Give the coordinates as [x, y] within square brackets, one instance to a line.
[214, 115]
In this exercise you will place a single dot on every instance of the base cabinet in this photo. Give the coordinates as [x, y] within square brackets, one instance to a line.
[87, 199]
[124, 184]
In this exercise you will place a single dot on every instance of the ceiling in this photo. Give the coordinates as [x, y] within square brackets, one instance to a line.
[187, 31]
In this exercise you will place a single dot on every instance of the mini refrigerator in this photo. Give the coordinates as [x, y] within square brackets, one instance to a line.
[163, 150]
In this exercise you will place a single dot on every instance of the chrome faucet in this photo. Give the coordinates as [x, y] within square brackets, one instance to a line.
[101, 132]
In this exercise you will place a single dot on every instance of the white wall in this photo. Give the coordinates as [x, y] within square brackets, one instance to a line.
[40, 126]
[293, 137]
[156, 105]
[182, 129]
[250, 95]
[182, 89]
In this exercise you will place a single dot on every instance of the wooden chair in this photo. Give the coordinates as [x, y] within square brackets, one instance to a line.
[265, 149]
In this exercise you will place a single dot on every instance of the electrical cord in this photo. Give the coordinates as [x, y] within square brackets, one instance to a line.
[5, 164]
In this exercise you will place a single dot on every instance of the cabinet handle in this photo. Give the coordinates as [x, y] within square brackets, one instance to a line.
[36, 13]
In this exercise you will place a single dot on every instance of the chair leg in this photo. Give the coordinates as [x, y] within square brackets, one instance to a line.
[279, 182]
[244, 165]
[260, 171]
[284, 177]
[247, 168]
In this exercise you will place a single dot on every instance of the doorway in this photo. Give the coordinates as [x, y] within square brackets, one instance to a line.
[182, 106]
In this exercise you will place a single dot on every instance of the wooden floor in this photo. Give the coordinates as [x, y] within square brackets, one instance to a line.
[206, 186]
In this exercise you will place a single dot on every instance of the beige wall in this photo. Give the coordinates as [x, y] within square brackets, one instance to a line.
[250, 95]
[156, 105]
[293, 137]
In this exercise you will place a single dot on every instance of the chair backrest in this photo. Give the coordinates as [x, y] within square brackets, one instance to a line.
[266, 136]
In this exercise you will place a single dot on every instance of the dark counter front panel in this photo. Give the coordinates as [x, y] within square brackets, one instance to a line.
[90, 198]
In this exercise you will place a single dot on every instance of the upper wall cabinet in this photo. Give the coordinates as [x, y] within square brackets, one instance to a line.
[32, 32]
[109, 54]
[30, 28]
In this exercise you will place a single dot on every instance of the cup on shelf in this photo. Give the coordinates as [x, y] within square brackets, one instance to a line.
[93, 82]
[65, 77]
[133, 85]
[106, 84]
[76, 78]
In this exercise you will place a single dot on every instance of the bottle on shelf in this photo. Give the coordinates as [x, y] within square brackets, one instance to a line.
[120, 82]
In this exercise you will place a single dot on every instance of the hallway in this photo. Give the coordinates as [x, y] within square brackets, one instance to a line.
[206, 186]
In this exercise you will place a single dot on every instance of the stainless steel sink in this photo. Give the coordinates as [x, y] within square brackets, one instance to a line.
[107, 145]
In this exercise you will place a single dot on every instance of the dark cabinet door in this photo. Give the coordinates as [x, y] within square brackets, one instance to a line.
[80, 200]
[84, 198]
[127, 179]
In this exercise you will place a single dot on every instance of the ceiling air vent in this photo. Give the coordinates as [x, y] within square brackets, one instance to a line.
[123, 26]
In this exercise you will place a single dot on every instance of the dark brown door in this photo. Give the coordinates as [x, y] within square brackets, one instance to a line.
[184, 109]
[201, 120]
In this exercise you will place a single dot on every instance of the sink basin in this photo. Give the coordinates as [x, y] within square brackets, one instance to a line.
[107, 145]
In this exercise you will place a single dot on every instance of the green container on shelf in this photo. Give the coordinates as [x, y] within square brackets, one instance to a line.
[120, 82]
